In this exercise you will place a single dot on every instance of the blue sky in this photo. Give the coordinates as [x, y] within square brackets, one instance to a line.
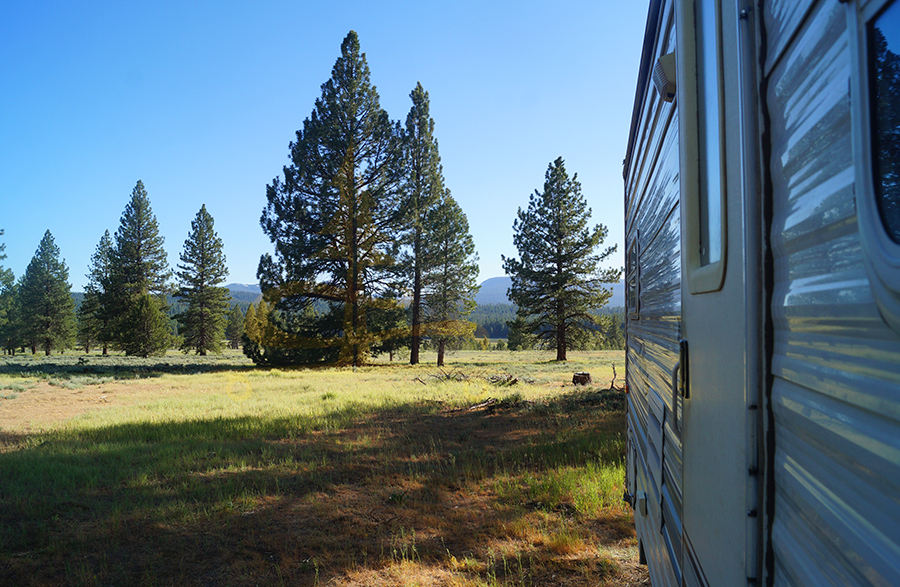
[199, 100]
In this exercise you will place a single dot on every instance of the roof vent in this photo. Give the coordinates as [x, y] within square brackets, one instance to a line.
[664, 76]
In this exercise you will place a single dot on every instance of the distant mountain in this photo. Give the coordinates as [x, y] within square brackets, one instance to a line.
[252, 288]
[493, 291]
[241, 294]
[244, 294]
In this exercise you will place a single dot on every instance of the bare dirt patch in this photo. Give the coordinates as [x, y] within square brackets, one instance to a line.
[43, 405]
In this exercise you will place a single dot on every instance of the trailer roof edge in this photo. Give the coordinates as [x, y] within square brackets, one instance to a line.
[650, 32]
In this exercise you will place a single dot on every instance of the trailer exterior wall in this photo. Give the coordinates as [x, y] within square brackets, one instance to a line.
[836, 387]
[796, 333]
[654, 324]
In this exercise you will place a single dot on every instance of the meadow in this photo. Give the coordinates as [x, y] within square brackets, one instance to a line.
[493, 471]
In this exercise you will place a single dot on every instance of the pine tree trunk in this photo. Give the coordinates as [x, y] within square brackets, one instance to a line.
[355, 327]
[417, 302]
[440, 357]
[561, 341]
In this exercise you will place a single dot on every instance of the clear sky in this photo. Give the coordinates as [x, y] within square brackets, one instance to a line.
[199, 100]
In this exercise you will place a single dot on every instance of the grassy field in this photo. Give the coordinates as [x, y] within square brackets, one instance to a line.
[181, 471]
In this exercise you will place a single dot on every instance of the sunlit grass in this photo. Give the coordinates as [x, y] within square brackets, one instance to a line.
[378, 475]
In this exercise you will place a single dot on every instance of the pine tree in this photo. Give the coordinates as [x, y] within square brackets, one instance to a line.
[250, 329]
[422, 189]
[45, 299]
[388, 319]
[557, 281]
[93, 322]
[139, 267]
[11, 332]
[256, 324]
[200, 276]
[234, 329]
[148, 332]
[7, 296]
[334, 220]
[450, 273]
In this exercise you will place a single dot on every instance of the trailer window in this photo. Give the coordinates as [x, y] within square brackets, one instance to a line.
[875, 103]
[710, 144]
[700, 102]
[632, 280]
[884, 79]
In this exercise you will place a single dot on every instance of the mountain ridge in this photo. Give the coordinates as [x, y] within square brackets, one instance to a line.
[493, 291]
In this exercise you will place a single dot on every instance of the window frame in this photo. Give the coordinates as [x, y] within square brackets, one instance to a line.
[881, 252]
[633, 273]
[709, 277]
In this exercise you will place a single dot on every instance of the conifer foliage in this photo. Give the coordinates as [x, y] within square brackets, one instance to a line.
[557, 281]
[45, 298]
[234, 328]
[93, 322]
[139, 269]
[334, 218]
[449, 278]
[200, 276]
[7, 299]
[423, 186]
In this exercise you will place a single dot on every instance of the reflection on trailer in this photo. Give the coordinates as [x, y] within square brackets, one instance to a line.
[762, 214]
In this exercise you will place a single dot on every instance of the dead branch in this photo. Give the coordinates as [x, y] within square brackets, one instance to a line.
[612, 384]
[503, 380]
[488, 402]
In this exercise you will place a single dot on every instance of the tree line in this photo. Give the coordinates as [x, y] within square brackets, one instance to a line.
[361, 216]
[124, 306]
[498, 321]
[360, 219]
[371, 254]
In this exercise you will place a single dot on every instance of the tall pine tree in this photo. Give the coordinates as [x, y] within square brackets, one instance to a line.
[557, 281]
[7, 298]
[139, 268]
[200, 278]
[334, 219]
[450, 274]
[423, 186]
[93, 322]
[234, 328]
[45, 299]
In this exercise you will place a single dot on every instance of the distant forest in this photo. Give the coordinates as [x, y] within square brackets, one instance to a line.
[492, 318]
[243, 299]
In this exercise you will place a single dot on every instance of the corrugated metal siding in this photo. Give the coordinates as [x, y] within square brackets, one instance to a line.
[782, 19]
[652, 212]
[836, 394]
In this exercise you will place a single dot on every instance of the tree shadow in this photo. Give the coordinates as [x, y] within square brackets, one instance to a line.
[244, 501]
[117, 366]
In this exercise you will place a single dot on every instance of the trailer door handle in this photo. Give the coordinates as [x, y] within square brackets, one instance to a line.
[680, 383]
[675, 372]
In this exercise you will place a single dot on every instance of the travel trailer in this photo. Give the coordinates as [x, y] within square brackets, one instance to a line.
[762, 216]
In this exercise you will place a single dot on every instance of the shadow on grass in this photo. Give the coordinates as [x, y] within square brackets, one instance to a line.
[118, 366]
[298, 501]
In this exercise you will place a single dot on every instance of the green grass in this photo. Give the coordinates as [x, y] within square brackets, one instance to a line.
[241, 476]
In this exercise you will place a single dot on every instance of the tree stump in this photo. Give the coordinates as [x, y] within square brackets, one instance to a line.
[582, 378]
